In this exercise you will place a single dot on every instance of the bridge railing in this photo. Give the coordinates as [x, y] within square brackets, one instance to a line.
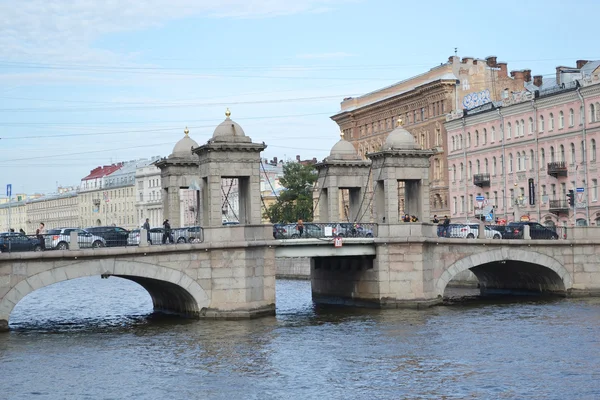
[505, 232]
[324, 230]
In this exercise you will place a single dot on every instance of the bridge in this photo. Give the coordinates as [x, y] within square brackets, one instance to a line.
[232, 273]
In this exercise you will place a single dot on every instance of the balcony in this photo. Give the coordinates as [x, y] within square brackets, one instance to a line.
[559, 207]
[481, 180]
[557, 168]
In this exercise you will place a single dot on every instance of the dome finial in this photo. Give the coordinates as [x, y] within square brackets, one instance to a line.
[341, 135]
[227, 113]
[186, 131]
[399, 122]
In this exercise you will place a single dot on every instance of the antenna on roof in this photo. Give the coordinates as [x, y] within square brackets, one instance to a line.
[456, 51]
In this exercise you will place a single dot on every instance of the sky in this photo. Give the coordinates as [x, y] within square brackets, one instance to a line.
[85, 82]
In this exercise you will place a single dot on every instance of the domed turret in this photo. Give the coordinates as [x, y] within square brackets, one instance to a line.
[343, 150]
[229, 131]
[400, 139]
[183, 148]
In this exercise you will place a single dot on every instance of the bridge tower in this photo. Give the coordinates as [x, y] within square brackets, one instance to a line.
[178, 171]
[401, 165]
[342, 169]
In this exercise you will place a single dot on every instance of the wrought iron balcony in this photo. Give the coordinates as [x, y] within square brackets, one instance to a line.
[557, 168]
[559, 207]
[481, 180]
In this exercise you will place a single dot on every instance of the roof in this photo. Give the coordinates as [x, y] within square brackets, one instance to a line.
[100, 172]
[589, 68]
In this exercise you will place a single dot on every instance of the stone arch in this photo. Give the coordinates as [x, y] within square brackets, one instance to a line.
[504, 254]
[170, 289]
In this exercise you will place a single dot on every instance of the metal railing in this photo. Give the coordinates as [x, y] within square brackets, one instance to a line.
[557, 168]
[504, 232]
[481, 180]
[324, 230]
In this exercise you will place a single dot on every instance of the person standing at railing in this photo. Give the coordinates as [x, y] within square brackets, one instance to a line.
[146, 226]
[22, 232]
[435, 219]
[40, 234]
[445, 225]
[300, 227]
[167, 232]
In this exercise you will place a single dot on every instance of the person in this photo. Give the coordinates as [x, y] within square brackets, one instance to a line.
[167, 232]
[436, 220]
[22, 232]
[300, 227]
[446, 225]
[40, 234]
[146, 226]
[413, 218]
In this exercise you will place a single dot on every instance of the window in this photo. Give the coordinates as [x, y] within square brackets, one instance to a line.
[573, 161]
[541, 123]
[462, 171]
[493, 133]
[471, 202]
[494, 166]
[532, 159]
[453, 143]
[594, 189]
[551, 127]
[522, 128]
[551, 153]
[422, 114]
[517, 129]
[530, 126]
[438, 137]
[468, 140]
[415, 116]
[462, 204]
[485, 165]
[562, 153]
[470, 170]
[593, 150]
[478, 167]
[454, 205]
[518, 161]
[509, 131]
[460, 141]
[561, 120]
[476, 138]
[484, 136]
[510, 163]
[592, 113]
[571, 117]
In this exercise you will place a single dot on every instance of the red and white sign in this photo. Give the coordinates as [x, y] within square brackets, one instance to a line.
[337, 241]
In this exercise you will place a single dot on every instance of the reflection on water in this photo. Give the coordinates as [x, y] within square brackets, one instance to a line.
[94, 338]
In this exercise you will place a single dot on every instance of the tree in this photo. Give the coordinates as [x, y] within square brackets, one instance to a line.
[295, 200]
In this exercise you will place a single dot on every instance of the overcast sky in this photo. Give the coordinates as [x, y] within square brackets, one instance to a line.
[85, 83]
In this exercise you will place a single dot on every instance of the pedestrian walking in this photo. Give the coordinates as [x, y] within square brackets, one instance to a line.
[167, 232]
[146, 226]
[300, 227]
[446, 225]
[40, 234]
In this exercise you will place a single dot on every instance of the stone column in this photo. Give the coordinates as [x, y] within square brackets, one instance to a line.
[333, 204]
[424, 191]
[391, 201]
[380, 212]
[173, 213]
[324, 206]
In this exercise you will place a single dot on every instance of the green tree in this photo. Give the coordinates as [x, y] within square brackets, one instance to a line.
[295, 200]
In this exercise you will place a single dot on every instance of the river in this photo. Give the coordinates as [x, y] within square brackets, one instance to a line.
[95, 338]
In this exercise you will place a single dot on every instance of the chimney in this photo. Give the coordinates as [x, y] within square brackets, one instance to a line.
[527, 75]
[491, 61]
[297, 157]
[503, 73]
[467, 59]
[581, 63]
[538, 80]
[451, 60]
[275, 160]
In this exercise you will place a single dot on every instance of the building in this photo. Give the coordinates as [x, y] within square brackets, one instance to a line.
[13, 215]
[423, 102]
[548, 135]
[148, 201]
[56, 210]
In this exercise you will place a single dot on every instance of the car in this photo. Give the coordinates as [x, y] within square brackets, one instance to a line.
[310, 231]
[279, 231]
[13, 241]
[471, 231]
[59, 239]
[189, 234]
[514, 230]
[113, 235]
[351, 230]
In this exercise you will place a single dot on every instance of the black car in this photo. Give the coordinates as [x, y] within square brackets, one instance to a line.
[514, 230]
[113, 235]
[12, 241]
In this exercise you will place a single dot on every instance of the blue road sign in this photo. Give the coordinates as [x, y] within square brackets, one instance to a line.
[480, 198]
[580, 190]
[9, 190]
[489, 217]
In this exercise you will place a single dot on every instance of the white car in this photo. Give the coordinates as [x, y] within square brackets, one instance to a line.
[471, 231]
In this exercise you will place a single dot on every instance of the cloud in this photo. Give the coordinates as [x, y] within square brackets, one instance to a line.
[325, 56]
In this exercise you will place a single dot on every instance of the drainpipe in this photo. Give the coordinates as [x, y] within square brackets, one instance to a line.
[537, 185]
[504, 202]
[584, 162]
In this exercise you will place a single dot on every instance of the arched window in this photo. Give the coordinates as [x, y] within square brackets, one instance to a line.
[532, 160]
[470, 170]
[573, 161]
[541, 123]
[462, 171]
[509, 131]
[593, 150]
[571, 117]
[510, 163]
[453, 172]
[494, 166]
[437, 169]
[583, 155]
[522, 128]
[484, 136]
[476, 138]
[561, 120]
[597, 107]
[562, 153]
[592, 113]
[485, 165]
[478, 167]
[468, 140]
[518, 161]
[517, 129]
[460, 141]
[581, 115]
[551, 127]
[493, 133]
[530, 126]
[453, 143]
[552, 154]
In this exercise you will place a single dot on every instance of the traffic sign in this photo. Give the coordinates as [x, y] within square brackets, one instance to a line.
[480, 198]
[337, 241]
[9, 190]
[580, 190]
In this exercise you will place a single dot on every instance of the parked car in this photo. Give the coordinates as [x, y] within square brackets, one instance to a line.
[60, 239]
[113, 235]
[514, 230]
[279, 231]
[471, 231]
[13, 241]
[352, 230]
[190, 234]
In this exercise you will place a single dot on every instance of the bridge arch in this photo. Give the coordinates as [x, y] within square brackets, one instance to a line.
[171, 290]
[549, 273]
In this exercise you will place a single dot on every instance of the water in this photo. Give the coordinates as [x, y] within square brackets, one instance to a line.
[98, 339]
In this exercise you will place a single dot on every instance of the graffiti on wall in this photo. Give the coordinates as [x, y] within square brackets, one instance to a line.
[476, 99]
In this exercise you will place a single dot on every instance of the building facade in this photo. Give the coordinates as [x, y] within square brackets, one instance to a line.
[58, 210]
[148, 201]
[519, 159]
[423, 102]
[13, 215]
